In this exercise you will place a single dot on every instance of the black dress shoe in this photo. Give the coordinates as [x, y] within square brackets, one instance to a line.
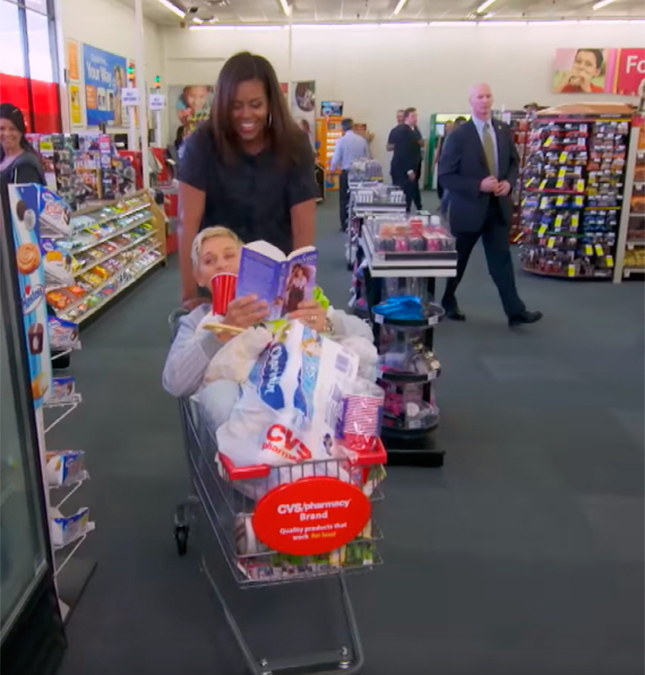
[455, 314]
[523, 318]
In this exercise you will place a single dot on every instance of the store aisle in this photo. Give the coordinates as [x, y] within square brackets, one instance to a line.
[523, 556]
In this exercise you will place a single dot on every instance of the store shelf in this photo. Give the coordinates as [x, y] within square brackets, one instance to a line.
[558, 238]
[598, 274]
[628, 271]
[404, 268]
[127, 247]
[103, 221]
[110, 280]
[408, 377]
[556, 192]
[116, 233]
[108, 298]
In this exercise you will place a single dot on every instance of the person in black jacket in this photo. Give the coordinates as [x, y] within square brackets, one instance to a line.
[19, 162]
[405, 141]
[479, 167]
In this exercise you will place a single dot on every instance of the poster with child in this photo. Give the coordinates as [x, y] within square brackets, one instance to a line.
[192, 106]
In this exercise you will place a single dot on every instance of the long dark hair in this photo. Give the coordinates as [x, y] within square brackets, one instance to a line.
[8, 111]
[283, 135]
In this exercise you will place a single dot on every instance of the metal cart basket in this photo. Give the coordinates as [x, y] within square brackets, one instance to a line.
[220, 511]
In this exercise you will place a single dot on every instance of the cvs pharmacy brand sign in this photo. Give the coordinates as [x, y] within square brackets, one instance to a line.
[311, 516]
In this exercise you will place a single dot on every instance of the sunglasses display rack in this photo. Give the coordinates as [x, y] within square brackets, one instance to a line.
[630, 250]
[572, 195]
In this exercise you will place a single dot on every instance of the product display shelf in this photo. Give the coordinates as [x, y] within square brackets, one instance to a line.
[420, 265]
[519, 123]
[368, 198]
[104, 265]
[71, 571]
[105, 258]
[573, 193]
[630, 249]
[64, 313]
[328, 131]
[140, 273]
[410, 389]
[84, 168]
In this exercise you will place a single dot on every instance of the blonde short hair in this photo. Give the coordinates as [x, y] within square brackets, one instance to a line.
[209, 233]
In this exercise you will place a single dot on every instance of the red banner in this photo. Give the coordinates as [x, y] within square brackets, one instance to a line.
[14, 89]
[630, 71]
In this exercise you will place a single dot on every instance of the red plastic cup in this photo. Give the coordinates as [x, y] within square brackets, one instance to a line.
[223, 286]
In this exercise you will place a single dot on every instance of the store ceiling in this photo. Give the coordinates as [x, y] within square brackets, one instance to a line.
[311, 11]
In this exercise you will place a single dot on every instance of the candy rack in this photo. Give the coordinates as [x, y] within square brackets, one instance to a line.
[108, 249]
[572, 190]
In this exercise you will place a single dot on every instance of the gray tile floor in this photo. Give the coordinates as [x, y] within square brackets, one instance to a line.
[523, 556]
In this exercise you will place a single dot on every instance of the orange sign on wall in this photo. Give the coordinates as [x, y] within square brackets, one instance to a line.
[90, 97]
[73, 62]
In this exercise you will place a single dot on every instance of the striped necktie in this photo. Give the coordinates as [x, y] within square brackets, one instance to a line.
[489, 150]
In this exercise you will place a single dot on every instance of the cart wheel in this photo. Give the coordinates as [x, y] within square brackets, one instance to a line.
[181, 537]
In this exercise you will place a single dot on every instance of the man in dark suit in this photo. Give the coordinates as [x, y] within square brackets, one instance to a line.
[479, 167]
[406, 158]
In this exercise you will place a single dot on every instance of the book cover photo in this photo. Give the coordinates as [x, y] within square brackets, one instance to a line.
[283, 281]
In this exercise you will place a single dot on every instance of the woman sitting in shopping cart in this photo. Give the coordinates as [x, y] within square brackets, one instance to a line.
[217, 250]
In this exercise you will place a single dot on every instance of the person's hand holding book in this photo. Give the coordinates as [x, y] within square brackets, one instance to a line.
[244, 313]
[312, 314]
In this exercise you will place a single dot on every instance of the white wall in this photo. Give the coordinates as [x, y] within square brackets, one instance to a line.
[377, 70]
[110, 25]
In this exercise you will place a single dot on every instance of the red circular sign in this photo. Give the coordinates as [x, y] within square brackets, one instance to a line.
[311, 516]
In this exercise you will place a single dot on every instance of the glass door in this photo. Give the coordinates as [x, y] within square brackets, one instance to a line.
[22, 544]
[28, 603]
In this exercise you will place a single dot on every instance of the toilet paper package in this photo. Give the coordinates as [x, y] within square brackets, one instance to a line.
[290, 405]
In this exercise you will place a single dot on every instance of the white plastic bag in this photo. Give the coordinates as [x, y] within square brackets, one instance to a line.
[235, 360]
[291, 403]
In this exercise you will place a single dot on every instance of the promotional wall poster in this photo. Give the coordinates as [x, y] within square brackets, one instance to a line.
[188, 105]
[73, 60]
[303, 107]
[105, 76]
[599, 71]
[75, 104]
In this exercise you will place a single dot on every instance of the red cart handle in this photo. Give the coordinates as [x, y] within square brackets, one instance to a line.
[378, 456]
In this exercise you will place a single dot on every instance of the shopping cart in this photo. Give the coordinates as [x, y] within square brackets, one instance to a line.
[221, 510]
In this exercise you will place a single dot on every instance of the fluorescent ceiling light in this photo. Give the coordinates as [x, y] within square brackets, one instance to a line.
[484, 6]
[206, 26]
[602, 3]
[286, 7]
[399, 6]
[173, 8]
[402, 24]
[456, 24]
[501, 23]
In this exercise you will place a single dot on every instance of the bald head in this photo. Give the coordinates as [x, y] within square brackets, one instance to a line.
[480, 98]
